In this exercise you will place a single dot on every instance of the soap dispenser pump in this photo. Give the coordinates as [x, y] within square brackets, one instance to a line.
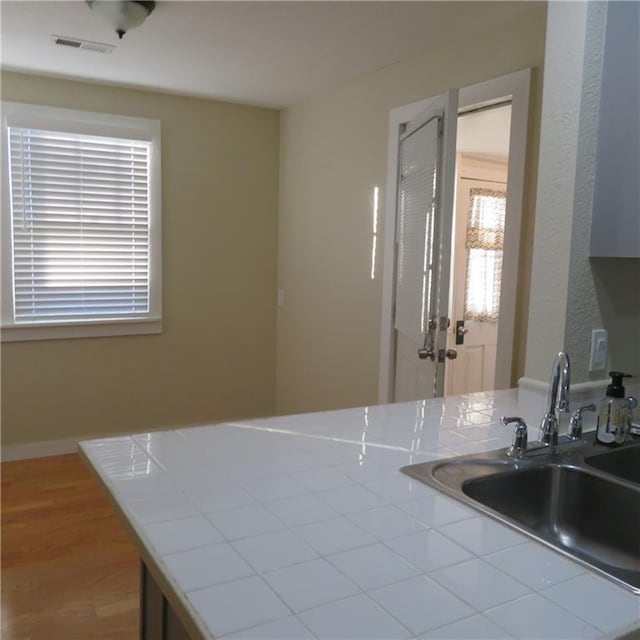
[613, 412]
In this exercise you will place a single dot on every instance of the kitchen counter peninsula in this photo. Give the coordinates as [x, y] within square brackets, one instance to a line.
[303, 527]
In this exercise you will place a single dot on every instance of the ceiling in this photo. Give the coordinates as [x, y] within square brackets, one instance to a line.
[265, 53]
[485, 134]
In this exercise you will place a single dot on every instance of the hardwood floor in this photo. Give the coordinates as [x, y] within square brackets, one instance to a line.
[69, 569]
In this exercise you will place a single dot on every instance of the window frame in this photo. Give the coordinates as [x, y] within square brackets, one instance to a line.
[15, 114]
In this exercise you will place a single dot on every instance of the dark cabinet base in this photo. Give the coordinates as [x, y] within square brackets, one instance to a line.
[158, 621]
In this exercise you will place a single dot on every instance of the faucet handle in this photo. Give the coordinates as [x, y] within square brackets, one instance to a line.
[507, 421]
[518, 446]
[575, 424]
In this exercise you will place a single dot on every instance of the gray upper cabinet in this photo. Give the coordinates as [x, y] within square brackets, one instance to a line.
[615, 230]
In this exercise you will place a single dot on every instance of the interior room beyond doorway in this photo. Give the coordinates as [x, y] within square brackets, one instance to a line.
[482, 159]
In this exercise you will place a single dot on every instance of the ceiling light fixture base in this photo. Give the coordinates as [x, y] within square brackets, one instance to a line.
[122, 15]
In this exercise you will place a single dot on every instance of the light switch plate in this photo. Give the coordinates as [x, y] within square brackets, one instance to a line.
[599, 349]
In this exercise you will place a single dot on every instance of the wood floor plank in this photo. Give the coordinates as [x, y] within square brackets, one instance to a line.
[69, 569]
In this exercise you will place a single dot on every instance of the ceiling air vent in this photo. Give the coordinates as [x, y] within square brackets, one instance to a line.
[84, 45]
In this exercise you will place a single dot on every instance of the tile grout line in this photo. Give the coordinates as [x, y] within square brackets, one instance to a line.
[558, 604]
[348, 516]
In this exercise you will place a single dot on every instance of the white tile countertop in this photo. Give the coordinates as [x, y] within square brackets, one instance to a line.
[303, 527]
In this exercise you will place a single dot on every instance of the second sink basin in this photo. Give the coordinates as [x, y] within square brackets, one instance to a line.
[623, 463]
[578, 512]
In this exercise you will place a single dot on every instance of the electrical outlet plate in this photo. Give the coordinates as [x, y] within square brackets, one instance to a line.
[599, 349]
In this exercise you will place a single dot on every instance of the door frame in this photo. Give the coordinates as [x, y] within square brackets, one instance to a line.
[515, 86]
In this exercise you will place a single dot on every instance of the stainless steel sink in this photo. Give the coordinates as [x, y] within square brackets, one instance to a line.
[623, 463]
[561, 499]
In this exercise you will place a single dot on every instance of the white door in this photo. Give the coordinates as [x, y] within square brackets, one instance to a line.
[477, 267]
[426, 168]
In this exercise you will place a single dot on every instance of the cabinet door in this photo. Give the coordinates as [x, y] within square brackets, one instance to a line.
[615, 230]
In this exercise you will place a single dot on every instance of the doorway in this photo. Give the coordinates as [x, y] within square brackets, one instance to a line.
[482, 163]
[490, 96]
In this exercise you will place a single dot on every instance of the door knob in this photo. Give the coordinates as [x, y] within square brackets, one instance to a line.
[425, 353]
[461, 331]
[450, 354]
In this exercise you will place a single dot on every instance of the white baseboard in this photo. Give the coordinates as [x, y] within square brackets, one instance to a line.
[533, 397]
[43, 449]
[579, 387]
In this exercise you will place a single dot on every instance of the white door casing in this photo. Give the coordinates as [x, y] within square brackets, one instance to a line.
[426, 162]
[516, 87]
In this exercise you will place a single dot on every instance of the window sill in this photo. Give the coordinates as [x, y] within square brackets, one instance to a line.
[98, 329]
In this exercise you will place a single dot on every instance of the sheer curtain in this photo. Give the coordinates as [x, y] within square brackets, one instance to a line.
[484, 244]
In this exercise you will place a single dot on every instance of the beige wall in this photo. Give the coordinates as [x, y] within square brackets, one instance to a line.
[332, 155]
[216, 356]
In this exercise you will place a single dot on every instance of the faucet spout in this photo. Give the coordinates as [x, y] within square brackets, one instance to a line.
[558, 399]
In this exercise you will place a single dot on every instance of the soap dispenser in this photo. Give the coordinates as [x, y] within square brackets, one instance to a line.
[613, 412]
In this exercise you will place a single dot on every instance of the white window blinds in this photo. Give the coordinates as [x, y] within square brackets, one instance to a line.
[80, 216]
[416, 220]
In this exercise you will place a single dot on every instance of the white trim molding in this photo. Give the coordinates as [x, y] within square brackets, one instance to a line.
[533, 398]
[516, 88]
[27, 450]
[530, 384]
[142, 133]
[131, 327]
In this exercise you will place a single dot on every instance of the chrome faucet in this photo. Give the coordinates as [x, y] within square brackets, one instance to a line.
[558, 400]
